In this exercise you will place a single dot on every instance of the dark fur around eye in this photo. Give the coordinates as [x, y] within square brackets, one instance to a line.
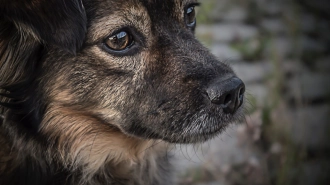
[126, 41]
[190, 16]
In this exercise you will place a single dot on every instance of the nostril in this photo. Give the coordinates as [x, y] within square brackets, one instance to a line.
[241, 93]
[227, 99]
[241, 96]
[229, 94]
[242, 90]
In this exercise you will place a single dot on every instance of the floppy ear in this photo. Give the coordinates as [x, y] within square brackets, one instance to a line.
[61, 23]
[27, 29]
[29, 26]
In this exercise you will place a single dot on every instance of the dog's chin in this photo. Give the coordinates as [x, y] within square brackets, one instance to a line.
[204, 126]
[205, 130]
[191, 138]
[200, 127]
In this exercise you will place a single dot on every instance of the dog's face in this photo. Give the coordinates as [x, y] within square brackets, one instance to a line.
[142, 71]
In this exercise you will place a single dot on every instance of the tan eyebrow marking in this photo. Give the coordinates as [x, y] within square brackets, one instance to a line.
[135, 16]
[180, 5]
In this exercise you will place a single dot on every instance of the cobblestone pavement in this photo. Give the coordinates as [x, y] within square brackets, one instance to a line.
[281, 50]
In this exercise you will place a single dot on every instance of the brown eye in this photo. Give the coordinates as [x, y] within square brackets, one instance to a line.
[119, 41]
[191, 16]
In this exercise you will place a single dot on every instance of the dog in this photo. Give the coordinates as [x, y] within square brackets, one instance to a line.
[97, 91]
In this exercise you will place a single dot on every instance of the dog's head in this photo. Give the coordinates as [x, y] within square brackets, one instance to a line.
[102, 65]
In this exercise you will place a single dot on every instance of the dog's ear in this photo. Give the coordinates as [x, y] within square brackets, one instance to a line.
[27, 29]
[29, 26]
[60, 23]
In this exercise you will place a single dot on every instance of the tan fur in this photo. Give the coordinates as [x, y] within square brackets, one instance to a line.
[86, 142]
[133, 15]
[181, 4]
[6, 164]
[26, 31]
[88, 113]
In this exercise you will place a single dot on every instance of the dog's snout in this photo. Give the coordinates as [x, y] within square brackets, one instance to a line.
[228, 94]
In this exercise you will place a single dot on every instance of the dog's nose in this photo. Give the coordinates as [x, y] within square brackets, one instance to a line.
[227, 93]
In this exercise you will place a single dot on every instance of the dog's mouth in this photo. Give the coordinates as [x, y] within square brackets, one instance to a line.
[203, 125]
[185, 126]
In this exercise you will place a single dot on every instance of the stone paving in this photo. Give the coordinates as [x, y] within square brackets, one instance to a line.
[281, 50]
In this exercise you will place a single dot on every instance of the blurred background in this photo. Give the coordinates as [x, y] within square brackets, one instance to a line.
[281, 50]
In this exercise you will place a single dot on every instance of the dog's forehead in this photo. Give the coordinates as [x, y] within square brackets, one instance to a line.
[110, 15]
[166, 7]
[162, 6]
[166, 4]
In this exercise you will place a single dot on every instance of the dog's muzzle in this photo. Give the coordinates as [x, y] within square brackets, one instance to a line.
[228, 94]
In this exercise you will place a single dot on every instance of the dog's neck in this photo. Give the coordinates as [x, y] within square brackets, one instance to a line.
[118, 159]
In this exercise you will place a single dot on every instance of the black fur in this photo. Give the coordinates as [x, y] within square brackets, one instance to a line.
[27, 29]
[63, 92]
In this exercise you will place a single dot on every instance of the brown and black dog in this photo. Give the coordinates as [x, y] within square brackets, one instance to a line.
[95, 91]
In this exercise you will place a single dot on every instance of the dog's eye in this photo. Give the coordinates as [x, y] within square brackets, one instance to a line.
[119, 41]
[190, 16]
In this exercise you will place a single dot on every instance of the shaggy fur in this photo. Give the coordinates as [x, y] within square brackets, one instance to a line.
[75, 111]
